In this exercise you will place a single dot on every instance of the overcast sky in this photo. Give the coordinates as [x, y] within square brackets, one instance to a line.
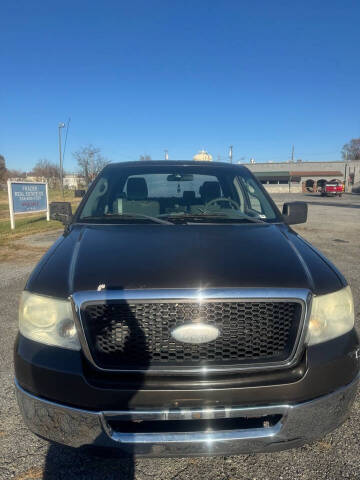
[140, 76]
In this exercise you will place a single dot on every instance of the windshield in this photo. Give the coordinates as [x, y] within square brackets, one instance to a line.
[190, 192]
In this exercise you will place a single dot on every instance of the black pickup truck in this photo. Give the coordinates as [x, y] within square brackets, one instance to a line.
[179, 314]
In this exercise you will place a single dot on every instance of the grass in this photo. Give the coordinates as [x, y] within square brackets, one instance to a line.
[27, 224]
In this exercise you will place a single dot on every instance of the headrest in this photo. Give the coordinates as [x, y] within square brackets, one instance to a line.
[209, 191]
[188, 196]
[136, 189]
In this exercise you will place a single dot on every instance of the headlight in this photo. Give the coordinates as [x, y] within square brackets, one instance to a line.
[48, 320]
[332, 315]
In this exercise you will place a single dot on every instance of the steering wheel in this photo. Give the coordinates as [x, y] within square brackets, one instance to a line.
[220, 200]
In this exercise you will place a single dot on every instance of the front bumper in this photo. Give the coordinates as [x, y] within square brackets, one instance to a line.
[295, 425]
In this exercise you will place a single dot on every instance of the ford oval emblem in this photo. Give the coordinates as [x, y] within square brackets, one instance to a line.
[195, 333]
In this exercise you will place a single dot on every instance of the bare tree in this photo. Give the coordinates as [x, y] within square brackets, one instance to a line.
[90, 162]
[144, 157]
[47, 170]
[3, 170]
[351, 150]
[16, 174]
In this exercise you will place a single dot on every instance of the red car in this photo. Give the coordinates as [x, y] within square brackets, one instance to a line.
[332, 188]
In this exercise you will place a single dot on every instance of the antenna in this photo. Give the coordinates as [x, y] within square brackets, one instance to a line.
[231, 153]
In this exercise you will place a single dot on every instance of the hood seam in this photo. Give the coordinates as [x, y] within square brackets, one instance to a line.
[302, 261]
[73, 262]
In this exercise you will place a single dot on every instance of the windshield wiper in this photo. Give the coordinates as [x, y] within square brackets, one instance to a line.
[251, 219]
[171, 218]
[128, 216]
[216, 216]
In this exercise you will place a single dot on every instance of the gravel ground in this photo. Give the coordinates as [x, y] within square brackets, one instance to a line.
[11, 271]
[334, 227]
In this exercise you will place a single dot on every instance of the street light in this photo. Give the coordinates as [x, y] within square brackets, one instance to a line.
[231, 153]
[61, 125]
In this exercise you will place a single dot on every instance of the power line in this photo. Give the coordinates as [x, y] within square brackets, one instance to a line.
[66, 135]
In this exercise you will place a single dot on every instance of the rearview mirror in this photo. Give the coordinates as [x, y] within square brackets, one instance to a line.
[180, 177]
[295, 212]
[61, 211]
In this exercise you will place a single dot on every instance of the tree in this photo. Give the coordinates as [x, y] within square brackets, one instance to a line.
[144, 157]
[351, 150]
[49, 171]
[3, 170]
[15, 174]
[90, 161]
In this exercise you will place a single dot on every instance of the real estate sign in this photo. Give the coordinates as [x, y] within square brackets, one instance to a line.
[27, 197]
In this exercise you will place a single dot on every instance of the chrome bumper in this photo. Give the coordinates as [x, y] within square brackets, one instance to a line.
[297, 424]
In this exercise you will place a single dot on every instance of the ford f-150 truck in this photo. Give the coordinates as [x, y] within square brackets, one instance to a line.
[179, 314]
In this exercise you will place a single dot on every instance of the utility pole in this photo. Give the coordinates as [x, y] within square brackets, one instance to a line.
[61, 125]
[345, 175]
[231, 153]
[292, 154]
[166, 155]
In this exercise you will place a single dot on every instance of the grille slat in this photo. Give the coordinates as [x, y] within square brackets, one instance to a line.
[137, 335]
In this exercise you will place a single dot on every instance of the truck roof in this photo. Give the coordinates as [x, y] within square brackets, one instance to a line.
[174, 163]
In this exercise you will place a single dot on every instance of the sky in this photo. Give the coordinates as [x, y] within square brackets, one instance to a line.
[138, 77]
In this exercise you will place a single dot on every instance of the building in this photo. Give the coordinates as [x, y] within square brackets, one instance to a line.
[305, 176]
[73, 181]
[52, 181]
[203, 156]
[70, 180]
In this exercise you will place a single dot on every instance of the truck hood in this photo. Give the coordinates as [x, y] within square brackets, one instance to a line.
[181, 256]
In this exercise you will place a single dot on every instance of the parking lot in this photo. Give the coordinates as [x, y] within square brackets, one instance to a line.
[334, 227]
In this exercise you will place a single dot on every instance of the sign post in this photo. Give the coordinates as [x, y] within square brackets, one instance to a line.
[27, 197]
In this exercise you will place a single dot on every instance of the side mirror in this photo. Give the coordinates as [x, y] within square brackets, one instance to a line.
[295, 212]
[61, 211]
[79, 193]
